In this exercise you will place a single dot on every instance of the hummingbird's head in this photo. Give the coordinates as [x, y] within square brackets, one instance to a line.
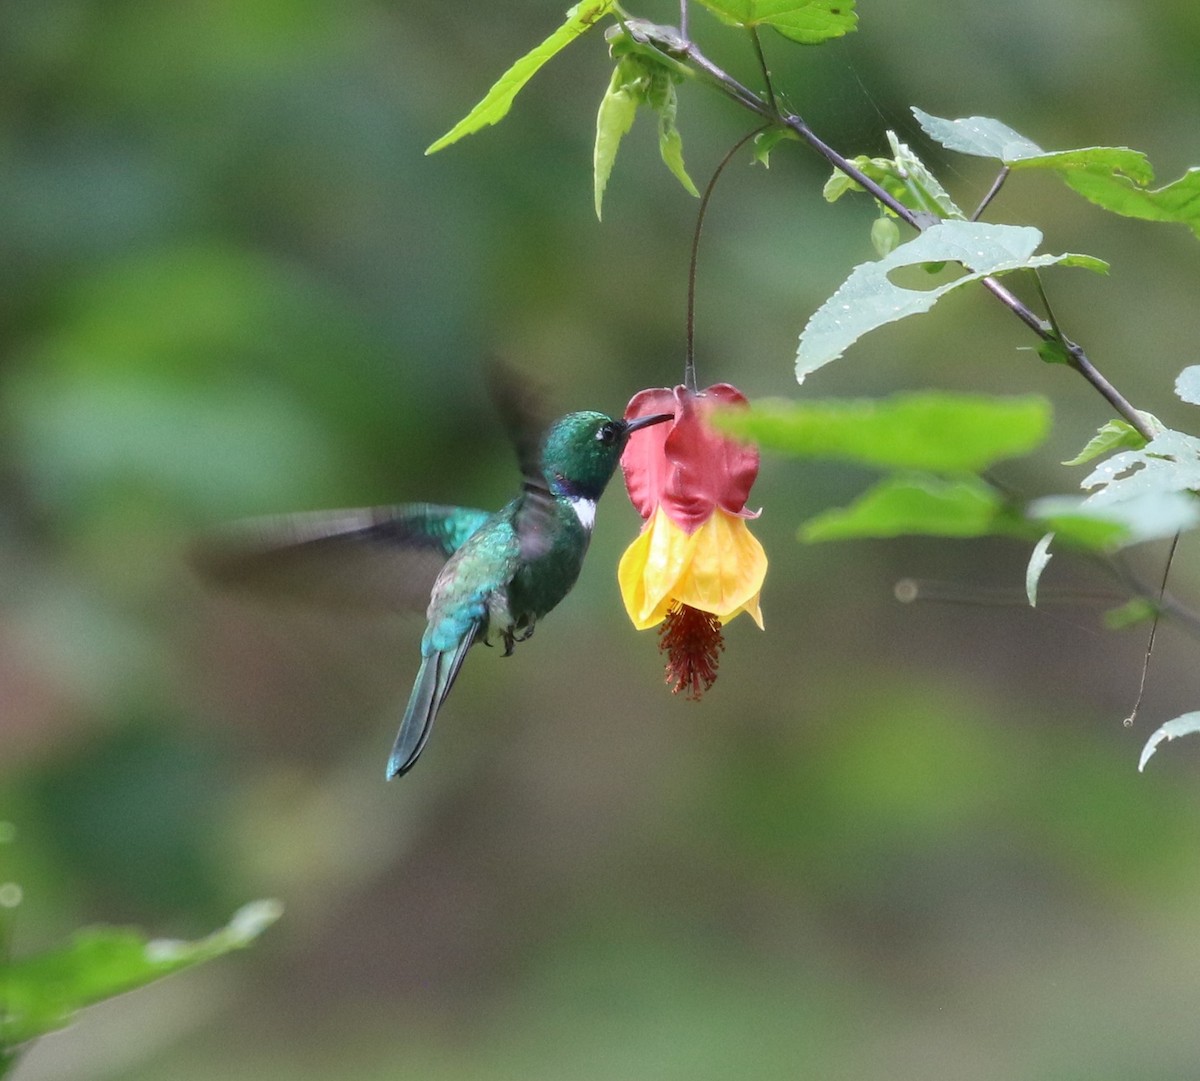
[580, 451]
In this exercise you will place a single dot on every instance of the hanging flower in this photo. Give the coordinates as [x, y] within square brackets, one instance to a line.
[695, 564]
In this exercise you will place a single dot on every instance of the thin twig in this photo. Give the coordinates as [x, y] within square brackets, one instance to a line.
[1168, 605]
[1059, 336]
[1162, 588]
[993, 191]
[1080, 362]
[728, 85]
[854, 173]
[910, 590]
[762, 64]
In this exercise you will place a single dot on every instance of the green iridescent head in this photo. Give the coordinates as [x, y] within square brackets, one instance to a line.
[580, 451]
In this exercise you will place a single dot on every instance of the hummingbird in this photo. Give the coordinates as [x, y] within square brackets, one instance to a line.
[497, 574]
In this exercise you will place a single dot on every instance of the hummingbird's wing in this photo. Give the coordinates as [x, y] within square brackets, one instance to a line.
[382, 558]
[520, 401]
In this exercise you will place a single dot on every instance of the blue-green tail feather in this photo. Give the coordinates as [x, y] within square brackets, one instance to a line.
[434, 680]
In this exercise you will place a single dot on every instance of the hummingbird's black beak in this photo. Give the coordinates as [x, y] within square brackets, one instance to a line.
[645, 422]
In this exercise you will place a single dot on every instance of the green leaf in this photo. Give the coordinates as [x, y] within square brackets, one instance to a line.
[670, 143]
[1184, 725]
[638, 80]
[1106, 526]
[1037, 563]
[925, 189]
[1169, 463]
[984, 137]
[1138, 610]
[766, 141]
[498, 100]
[43, 992]
[1178, 201]
[1187, 384]
[977, 135]
[868, 298]
[885, 235]
[1139, 495]
[1107, 159]
[839, 183]
[618, 108]
[1112, 177]
[1112, 436]
[938, 432]
[1068, 518]
[903, 177]
[809, 22]
[1052, 351]
[915, 504]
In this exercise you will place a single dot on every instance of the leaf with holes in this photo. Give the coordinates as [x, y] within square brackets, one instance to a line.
[1187, 384]
[1170, 462]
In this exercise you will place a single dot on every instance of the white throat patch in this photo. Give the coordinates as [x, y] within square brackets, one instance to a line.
[585, 511]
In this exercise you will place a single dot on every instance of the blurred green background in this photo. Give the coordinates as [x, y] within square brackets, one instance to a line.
[893, 841]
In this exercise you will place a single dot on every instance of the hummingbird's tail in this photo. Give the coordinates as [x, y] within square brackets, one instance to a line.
[434, 680]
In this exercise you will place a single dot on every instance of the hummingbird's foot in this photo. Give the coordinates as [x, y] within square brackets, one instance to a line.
[510, 637]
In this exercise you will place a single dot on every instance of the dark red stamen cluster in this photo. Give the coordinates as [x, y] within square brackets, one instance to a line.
[692, 641]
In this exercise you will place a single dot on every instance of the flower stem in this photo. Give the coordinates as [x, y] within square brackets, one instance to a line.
[689, 362]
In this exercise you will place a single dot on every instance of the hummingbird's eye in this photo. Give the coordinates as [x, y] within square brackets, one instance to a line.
[607, 433]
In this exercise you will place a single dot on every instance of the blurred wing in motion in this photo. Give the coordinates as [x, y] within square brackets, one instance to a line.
[382, 558]
[520, 401]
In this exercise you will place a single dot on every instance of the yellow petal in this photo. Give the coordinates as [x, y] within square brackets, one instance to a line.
[726, 570]
[650, 568]
[719, 569]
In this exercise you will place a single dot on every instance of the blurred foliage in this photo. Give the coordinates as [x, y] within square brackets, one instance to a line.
[43, 992]
[903, 841]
